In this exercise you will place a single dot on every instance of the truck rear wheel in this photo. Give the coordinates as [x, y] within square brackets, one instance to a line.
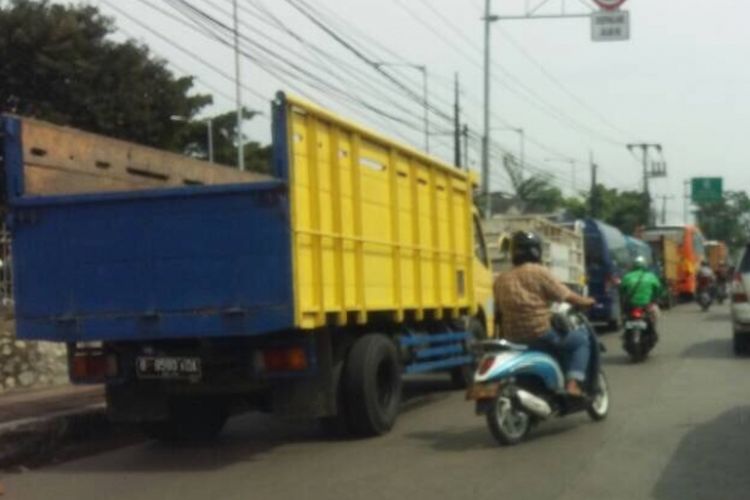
[463, 376]
[372, 385]
[190, 420]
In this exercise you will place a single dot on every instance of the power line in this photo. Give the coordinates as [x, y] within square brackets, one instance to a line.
[535, 99]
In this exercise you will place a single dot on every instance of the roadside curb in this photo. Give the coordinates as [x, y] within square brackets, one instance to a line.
[29, 439]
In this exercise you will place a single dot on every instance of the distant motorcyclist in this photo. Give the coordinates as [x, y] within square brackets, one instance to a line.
[706, 276]
[640, 287]
[523, 299]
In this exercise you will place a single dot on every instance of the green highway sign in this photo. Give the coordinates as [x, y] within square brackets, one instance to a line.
[707, 189]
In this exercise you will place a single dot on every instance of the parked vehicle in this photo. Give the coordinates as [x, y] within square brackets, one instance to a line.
[307, 294]
[639, 337]
[516, 387]
[607, 258]
[740, 306]
[691, 251]
[563, 251]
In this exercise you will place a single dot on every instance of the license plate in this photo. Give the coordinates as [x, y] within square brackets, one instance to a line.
[168, 367]
[482, 391]
[641, 325]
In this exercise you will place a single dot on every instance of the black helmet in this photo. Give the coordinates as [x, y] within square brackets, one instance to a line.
[525, 247]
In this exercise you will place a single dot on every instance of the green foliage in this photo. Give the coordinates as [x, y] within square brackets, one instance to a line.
[538, 195]
[623, 209]
[727, 220]
[57, 63]
[534, 194]
[224, 126]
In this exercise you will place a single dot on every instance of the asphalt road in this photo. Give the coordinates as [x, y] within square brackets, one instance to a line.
[679, 429]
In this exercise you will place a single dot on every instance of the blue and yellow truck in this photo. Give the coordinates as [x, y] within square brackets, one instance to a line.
[193, 290]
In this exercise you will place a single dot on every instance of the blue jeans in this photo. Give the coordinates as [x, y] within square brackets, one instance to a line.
[576, 349]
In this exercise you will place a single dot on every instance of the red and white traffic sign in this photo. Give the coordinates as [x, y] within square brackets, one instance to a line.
[609, 4]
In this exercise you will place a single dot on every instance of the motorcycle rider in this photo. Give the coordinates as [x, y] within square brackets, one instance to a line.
[723, 273]
[523, 299]
[706, 277]
[641, 288]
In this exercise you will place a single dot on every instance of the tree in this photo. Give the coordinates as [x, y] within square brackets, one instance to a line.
[626, 210]
[726, 220]
[224, 126]
[534, 194]
[58, 63]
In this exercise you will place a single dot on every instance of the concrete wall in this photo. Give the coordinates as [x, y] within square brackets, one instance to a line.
[27, 365]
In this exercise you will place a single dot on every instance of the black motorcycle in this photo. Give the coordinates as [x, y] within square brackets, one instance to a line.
[640, 336]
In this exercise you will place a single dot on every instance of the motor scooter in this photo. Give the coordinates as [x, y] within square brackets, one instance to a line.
[517, 387]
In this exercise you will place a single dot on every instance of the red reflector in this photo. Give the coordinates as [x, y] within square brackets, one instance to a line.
[637, 313]
[486, 364]
[285, 359]
[92, 367]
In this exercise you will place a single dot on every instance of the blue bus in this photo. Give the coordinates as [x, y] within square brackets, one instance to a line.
[607, 259]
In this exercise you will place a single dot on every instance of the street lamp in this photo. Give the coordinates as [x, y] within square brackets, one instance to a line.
[209, 132]
[425, 94]
[488, 18]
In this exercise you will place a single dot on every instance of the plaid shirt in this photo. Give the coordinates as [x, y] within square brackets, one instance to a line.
[523, 297]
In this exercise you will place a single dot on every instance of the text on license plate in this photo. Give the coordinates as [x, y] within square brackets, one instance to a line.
[636, 324]
[168, 367]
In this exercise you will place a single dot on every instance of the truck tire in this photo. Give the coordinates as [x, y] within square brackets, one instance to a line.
[463, 376]
[190, 420]
[372, 385]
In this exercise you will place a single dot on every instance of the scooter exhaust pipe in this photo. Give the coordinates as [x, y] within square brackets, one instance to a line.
[535, 405]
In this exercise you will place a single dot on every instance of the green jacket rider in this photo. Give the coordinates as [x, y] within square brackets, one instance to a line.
[640, 287]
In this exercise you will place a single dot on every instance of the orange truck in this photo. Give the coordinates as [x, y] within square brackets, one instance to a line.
[716, 254]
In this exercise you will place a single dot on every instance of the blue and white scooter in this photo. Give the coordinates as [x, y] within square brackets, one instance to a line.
[516, 387]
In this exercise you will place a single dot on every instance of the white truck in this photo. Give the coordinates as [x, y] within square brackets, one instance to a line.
[563, 250]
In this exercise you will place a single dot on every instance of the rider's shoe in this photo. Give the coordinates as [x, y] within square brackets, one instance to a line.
[573, 388]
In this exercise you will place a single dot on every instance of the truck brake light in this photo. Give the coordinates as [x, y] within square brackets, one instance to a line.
[284, 359]
[92, 366]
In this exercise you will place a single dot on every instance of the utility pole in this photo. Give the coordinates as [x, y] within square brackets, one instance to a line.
[465, 134]
[238, 89]
[664, 199]
[593, 194]
[488, 18]
[457, 124]
[650, 170]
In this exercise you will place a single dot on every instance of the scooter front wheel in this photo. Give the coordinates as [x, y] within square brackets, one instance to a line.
[508, 423]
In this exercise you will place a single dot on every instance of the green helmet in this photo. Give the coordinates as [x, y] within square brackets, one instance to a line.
[639, 262]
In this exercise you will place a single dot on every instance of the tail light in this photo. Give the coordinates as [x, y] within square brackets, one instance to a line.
[486, 364]
[283, 359]
[739, 294]
[637, 313]
[91, 366]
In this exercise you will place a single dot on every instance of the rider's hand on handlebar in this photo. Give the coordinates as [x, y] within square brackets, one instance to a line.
[587, 302]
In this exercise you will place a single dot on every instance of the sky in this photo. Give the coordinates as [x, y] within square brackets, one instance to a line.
[679, 81]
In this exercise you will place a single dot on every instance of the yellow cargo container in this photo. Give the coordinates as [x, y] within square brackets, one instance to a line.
[379, 227]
